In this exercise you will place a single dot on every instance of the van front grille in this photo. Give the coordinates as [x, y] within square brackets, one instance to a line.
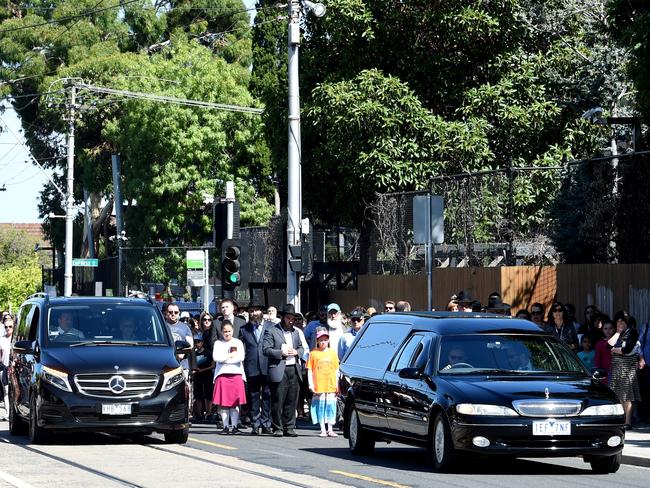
[109, 385]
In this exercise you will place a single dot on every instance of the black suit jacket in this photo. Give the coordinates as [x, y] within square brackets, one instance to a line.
[215, 333]
[273, 340]
[255, 362]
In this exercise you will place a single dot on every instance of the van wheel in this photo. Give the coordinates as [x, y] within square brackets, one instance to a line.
[605, 465]
[38, 435]
[442, 445]
[17, 425]
[177, 436]
[360, 440]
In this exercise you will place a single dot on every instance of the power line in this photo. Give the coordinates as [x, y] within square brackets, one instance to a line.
[168, 99]
[72, 17]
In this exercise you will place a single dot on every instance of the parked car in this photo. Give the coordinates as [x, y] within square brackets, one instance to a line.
[96, 364]
[469, 383]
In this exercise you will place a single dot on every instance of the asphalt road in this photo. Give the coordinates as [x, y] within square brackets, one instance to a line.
[245, 461]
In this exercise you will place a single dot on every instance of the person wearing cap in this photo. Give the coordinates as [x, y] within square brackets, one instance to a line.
[256, 366]
[322, 373]
[334, 325]
[358, 317]
[202, 375]
[310, 330]
[283, 348]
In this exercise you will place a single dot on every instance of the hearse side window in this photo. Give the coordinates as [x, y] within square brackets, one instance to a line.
[376, 347]
[403, 359]
[23, 324]
[33, 328]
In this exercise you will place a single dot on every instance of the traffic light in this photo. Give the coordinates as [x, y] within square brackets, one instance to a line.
[230, 265]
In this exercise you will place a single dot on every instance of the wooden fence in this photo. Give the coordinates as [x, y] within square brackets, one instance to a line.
[610, 287]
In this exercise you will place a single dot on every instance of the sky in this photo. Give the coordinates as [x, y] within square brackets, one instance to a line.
[23, 180]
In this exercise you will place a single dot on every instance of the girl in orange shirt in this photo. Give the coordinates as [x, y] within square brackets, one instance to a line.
[322, 373]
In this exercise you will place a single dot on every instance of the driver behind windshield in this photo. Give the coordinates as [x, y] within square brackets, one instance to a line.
[455, 356]
[127, 329]
[65, 325]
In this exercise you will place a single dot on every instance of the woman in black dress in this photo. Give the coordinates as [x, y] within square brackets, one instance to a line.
[625, 358]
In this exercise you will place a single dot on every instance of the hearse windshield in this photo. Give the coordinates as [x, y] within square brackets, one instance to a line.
[515, 354]
[104, 324]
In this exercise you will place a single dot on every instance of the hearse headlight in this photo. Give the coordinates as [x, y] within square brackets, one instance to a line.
[172, 378]
[610, 409]
[56, 378]
[482, 409]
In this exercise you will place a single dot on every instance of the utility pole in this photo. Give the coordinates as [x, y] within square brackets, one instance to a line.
[67, 288]
[294, 201]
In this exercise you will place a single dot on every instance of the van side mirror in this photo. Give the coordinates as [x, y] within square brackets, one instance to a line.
[410, 373]
[182, 347]
[23, 347]
[598, 373]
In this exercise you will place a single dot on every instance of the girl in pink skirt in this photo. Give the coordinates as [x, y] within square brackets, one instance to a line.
[229, 392]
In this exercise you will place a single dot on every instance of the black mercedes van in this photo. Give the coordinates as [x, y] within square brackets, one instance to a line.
[96, 364]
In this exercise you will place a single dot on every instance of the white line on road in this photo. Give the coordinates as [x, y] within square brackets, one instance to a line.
[12, 480]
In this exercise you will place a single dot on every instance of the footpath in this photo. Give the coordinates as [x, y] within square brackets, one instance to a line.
[637, 446]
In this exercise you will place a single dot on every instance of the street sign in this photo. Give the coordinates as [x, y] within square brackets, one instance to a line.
[85, 262]
[195, 261]
[428, 219]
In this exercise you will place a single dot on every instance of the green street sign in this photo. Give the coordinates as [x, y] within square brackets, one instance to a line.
[88, 263]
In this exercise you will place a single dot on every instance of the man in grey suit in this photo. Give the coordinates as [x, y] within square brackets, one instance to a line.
[256, 367]
[283, 348]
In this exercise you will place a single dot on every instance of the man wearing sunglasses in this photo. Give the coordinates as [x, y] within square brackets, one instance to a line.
[180, 331]
[358, 317]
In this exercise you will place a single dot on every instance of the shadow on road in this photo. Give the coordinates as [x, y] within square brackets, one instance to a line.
[417, 460]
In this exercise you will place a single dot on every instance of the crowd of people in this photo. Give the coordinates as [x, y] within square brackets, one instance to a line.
[263, 368]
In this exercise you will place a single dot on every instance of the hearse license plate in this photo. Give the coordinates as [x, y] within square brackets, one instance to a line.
[552, 427]
[116, 409]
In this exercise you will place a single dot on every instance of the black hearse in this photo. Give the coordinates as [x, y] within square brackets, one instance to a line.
[470, 383]
[96, 364]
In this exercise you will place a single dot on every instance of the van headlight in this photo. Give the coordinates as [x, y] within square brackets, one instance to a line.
[482, 409]
[172, 378]
[610, 409]
[56, 378]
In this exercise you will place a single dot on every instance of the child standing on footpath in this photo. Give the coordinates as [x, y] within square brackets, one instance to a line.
[322, 373]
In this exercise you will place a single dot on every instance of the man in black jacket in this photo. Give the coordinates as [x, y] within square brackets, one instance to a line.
[283, 348]
[255, 366]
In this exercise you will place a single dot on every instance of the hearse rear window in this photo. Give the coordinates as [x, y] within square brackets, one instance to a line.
[377, 346]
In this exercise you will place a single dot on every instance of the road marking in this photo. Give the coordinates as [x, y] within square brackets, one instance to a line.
[213, 444]
[12, 480]
[368, 478]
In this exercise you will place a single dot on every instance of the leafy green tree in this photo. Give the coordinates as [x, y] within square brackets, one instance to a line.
[20, 270]
[630, 24]
[172, 155]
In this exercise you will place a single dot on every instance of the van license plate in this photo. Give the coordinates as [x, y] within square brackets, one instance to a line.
[552, 427]
[116, 409]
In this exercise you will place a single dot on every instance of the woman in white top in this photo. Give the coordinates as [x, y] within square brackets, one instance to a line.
[229, 392]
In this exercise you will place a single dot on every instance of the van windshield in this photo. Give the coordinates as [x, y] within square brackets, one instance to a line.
[521, 354]
[104, 323]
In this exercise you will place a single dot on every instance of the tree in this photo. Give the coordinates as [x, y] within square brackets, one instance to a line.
[171, 154]
[483, 86]
[20, 271]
